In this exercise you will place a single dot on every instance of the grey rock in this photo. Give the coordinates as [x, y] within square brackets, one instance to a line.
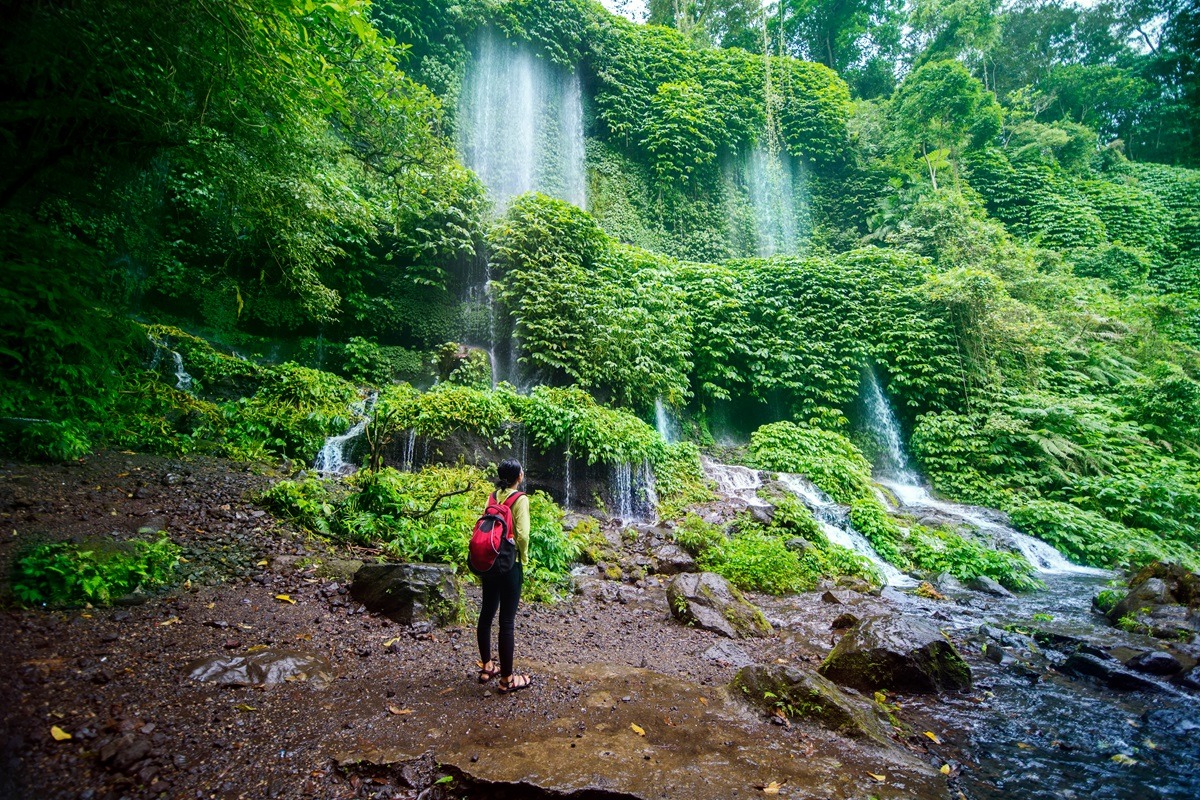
[763, 514]
[843, 621]
[126, 752]
[671, 559]
[709, 602]
[1108, 670]
[409, 593]
[1155, 662]
[725, 652]
[340, 569]
[945, 582]
[898, 653]
[806, 695]
[988, 586]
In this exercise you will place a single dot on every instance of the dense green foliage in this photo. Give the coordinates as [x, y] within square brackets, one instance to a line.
[401, 513]
[96, 572]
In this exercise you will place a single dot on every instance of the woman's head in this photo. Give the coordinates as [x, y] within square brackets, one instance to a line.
[508, 473]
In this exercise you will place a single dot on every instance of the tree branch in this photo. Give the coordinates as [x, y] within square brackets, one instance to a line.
[437, 500]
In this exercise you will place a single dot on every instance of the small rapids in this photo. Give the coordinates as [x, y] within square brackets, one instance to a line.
[337, 454]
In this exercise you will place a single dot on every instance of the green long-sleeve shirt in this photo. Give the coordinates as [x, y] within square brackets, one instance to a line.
[520, 513]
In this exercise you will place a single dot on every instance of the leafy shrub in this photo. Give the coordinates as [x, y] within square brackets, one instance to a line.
[308, 503]
[1122, 268]
[294, 412]
[94, 572]
[938, 550]
[571, 419]
[1107, 600]
[679, 480]
[697, 536]
[756, 561]
[828, 459]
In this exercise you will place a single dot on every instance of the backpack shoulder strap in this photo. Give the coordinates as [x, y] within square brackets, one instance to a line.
[512, 499]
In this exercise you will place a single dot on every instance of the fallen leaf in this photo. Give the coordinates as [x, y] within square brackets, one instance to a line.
[283, 598]
[262, 563]
[245, 627]
[667, 721]
[211, 605]
[59, 734]
[1024, 746]
[183, 560]
[703, 701]
[880, 778]
[945, 769]
[307, 637]
[400, 712]
[1124, 760]
[1150, 744]
[638, 729]
[122, 474]
[395, 639]
[171, 621]
[933, 737]
[772, 788]
[446, 691]
[245, 707]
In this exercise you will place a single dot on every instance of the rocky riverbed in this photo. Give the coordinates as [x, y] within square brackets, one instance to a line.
[626, 700]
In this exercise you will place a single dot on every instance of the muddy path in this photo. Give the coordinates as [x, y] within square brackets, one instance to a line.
[626, 701]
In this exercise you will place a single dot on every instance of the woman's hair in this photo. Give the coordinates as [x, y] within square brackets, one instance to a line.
[508, 472]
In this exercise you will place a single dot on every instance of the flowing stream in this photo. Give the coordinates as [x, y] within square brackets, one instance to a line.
[337, 454]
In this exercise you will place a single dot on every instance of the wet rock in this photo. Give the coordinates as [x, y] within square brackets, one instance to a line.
[263, 668]
[340, 569]
[709, 602]
[831, 598]
[1155, 662]
[1108, 670]
[1191, 679]
[1182, 586]
[763, 514]
[1163, 600]
[897, 653]
[671, 559]
[409, 593]
[798, 544]
[1180, 722]
[945, 582]
[856, 584]
[988, 586]
[125, 752]
[806, 695]
[728, 653]
[843, 621]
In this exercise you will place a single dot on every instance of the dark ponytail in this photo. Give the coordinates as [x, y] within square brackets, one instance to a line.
[507, 473]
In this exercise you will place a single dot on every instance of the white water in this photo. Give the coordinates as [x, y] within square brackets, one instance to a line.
[1043, 557]
[885, 428]
[621, 481]
[410, 450]
[333, 458]
[835, 524]
[771, 185]
[567, 479]
[521, 123]
[662, 421]
[741, 483]
[183, 381]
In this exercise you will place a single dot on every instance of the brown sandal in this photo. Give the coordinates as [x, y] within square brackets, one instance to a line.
[514, 683]
[486, 674]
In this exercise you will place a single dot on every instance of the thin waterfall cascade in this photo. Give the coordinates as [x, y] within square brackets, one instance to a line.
[775, 187]
[621, 482]
[521, 123]
[885, 428]
[410, 450]
[566, 480]
[646, 500]
[633, 493]
[183, 381]
[663, 423]
[835, 524]
[1045, 559]
[734, 481]
[336, 455]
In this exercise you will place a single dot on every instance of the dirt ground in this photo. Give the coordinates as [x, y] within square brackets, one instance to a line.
[403, 707]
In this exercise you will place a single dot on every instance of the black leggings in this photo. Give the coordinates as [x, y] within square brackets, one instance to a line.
[503, 592]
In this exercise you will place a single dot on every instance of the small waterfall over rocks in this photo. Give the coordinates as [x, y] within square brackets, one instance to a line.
[774, 186]
[882, 424]
[734, 481]
[336, 456]
[633, 494]
[835, 524]
[663, 423]
[521, 123]
[183, 381]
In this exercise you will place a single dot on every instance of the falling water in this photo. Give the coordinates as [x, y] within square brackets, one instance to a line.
[662, 421]
[183, 381]
[835, 524]
[741, 483]
[567, 480]
[885, 428]
[335, 455]
[621, 481]
[410, 449]
[521, 123]
[771, 183]
[646, 500]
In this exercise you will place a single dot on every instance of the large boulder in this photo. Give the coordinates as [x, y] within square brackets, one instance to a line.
[1109, 670]
[709, 602]
[898, 653]
[409, 593]
[1163, 600]
[806, 695]
[670, 559]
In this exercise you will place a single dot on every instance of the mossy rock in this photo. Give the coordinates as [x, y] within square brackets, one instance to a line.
[806, 695]
[899, 654]
[708, 601]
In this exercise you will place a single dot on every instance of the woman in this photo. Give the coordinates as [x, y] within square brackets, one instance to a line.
[504, 591]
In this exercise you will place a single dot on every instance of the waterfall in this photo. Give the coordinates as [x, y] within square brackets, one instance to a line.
[646, 499]
[885, 428]
[771, 183]
[621, 480]
[566, 480]
[741, 483]
[183, 381]
[521, 123]
[410, 450]
[335, 455]
[835, 524]
[662, 421]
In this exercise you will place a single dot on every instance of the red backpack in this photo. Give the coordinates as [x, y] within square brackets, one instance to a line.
[493, 548]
